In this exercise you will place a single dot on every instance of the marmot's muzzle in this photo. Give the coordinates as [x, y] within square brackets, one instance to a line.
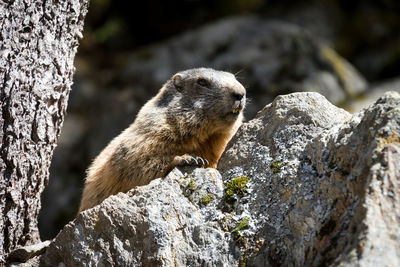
[238, 105]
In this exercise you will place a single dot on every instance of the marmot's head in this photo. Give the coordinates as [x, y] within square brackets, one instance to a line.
[207, 94]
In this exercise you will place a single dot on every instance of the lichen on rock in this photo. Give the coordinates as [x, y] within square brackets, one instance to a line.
[235, 188]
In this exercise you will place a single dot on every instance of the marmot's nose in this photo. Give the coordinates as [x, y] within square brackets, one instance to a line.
[237, 96]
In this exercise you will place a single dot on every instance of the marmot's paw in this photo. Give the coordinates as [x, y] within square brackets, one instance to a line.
[188, 160]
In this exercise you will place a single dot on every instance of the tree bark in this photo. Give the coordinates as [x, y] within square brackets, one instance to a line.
[38, 42]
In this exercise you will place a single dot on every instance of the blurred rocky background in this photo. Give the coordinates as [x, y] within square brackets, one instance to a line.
[348, 51]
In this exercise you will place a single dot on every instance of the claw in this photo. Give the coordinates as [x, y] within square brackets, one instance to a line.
[199, 160]
[188, 160]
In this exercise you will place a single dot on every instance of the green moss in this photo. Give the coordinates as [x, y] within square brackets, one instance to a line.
[206, 199]
[191, 185]
[243, 260]
[187, 176]
[188, 187]
[236, 186]
[239, 239]
[276, 166]
[242, 225]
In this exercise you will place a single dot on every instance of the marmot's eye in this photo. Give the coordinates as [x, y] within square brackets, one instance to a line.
[203, 82]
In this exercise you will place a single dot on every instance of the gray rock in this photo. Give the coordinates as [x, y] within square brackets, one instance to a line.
[165, 223]
[23, 254]
[326, 184]
[305, 184]
[35, 261]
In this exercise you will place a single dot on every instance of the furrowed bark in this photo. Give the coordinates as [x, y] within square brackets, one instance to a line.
[38, 42]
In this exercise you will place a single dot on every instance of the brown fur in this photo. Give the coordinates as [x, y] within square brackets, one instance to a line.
[188, 117]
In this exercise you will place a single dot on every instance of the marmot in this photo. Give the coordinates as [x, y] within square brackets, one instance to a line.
[189, 122]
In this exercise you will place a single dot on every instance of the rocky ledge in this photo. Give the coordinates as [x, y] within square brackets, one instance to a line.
[303, 184]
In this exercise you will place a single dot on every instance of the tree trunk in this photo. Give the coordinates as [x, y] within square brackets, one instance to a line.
[38, 42]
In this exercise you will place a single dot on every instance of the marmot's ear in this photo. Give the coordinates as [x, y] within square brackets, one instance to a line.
[178, 82]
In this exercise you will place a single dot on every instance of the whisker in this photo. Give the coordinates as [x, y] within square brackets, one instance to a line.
[238, 72]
